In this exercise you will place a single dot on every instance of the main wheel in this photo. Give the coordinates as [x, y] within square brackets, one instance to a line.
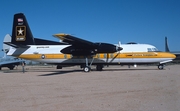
[99, 67]
[87, 69]
[59, 67]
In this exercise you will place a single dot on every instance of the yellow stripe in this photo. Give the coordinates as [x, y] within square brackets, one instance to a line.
[101, 56]
[47, 56]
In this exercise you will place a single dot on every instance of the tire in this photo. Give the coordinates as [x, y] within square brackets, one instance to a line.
[161, 66]
[99, 67]
[87, 69]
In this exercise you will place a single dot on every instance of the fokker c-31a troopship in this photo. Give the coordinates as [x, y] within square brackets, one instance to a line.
[75, 51]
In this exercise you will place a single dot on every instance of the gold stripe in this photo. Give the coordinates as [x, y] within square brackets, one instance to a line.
[101, 56]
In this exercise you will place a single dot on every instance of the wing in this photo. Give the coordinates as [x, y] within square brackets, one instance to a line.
[80, 47]
[39, 41]
[74, 40]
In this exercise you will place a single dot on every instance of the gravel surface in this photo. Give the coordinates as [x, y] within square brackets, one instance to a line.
[44, 88]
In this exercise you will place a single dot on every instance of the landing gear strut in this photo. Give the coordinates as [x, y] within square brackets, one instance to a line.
[87, 68]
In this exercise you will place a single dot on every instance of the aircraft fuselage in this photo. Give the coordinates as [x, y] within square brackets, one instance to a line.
[52, 54]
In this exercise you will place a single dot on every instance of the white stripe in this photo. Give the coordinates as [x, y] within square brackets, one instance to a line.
[125, 60]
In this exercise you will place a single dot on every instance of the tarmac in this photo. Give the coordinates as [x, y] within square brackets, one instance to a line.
[116, 88]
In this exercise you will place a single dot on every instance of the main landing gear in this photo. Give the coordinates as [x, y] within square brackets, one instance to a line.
[87, 67]
[161, 66]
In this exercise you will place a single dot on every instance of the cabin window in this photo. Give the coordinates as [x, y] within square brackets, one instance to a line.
[98, 56]
[65, 56]
[105, 56]
[112, 55]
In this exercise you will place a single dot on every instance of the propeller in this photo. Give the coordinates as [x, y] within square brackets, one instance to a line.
[107, 57]
[118, 48]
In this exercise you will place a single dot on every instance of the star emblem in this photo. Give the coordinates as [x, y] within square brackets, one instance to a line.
[20, 31]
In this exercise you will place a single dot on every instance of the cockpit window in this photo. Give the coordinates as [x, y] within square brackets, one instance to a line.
[152, 49]
[155, 49]
[149, 49]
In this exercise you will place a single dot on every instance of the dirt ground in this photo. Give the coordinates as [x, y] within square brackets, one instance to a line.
[44, 88]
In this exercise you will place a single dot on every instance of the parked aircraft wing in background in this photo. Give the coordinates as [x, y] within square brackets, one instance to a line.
[177, 53]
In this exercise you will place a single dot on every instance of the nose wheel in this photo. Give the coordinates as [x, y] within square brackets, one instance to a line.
[161, 66]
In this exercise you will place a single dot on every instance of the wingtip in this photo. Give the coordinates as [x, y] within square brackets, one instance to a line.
[60, 35]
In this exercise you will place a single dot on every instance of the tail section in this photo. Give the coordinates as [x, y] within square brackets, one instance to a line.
[166, 45]
[21, 33]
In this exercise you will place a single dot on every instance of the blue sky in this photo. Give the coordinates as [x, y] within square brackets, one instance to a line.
[141, 21]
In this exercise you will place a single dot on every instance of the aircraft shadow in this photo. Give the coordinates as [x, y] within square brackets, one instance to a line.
[127, 69]
[93, 70]
[60, 72]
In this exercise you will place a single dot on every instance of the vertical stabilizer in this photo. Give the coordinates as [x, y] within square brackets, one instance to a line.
[166, 45]
[21, 33]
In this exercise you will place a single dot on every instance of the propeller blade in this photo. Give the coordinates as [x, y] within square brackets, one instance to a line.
[107, 58]
[119, 49]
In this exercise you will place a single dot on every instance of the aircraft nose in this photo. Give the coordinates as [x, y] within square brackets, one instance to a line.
[170, 55]
[173, 56]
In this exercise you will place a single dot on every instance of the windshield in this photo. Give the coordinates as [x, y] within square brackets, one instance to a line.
[152, 49]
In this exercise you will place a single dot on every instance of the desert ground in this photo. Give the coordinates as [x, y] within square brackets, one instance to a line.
[116, 88]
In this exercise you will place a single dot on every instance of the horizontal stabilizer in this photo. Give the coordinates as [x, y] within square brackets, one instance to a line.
[6, 47]
[16, 46]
